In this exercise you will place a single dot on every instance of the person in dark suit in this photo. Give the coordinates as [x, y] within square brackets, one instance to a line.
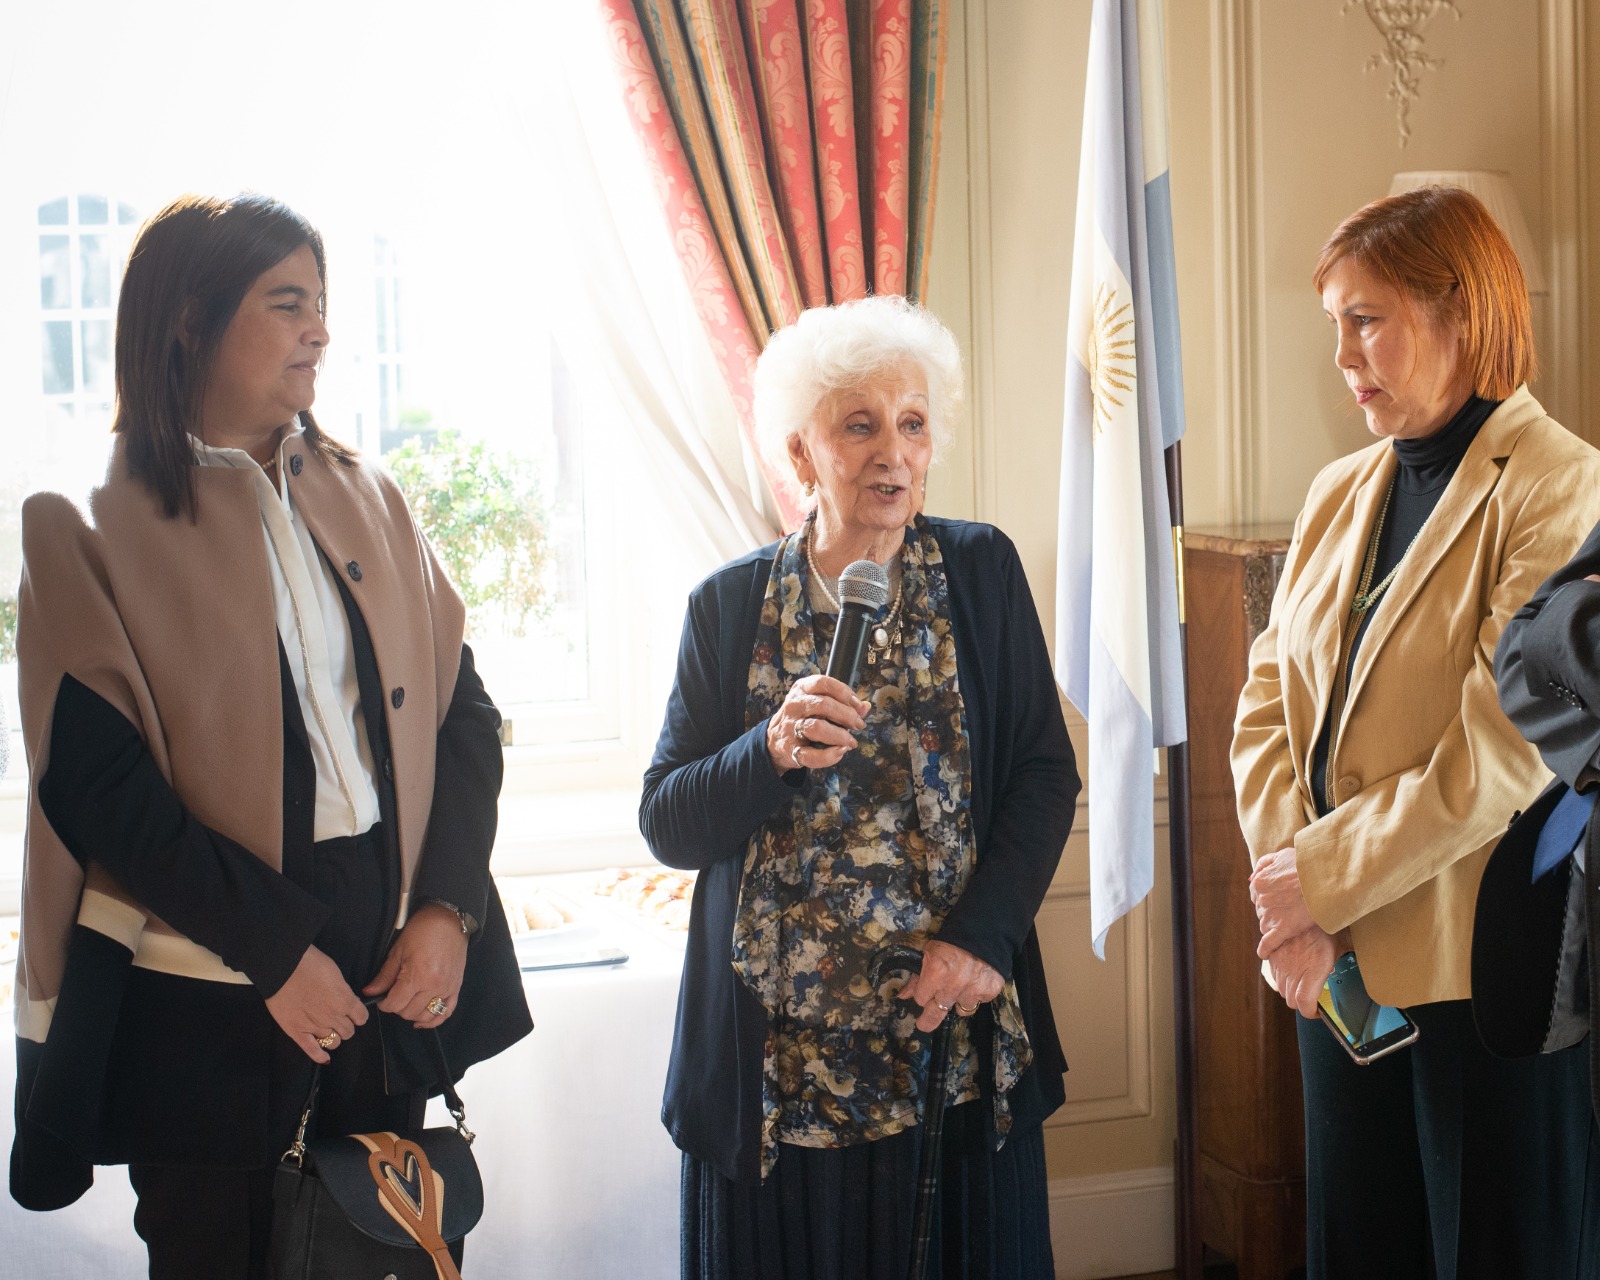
[928, 806]
[264, 772]
[1547, 669]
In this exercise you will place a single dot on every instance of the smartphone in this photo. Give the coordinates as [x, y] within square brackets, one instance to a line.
[1366, 1029]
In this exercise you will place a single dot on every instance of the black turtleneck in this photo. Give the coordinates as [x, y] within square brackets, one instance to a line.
[1423, 473]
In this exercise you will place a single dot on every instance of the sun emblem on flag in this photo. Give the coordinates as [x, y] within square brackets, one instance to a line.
[1111, 363]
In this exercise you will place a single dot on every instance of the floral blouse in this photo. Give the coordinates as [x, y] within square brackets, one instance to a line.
[871, 854]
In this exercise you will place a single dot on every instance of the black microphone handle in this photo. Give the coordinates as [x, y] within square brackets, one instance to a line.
[849, 643]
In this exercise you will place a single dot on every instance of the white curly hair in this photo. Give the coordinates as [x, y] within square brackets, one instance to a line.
[829, 348]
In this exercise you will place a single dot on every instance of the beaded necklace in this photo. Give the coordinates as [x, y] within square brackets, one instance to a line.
[883, 638]
[1366, 594]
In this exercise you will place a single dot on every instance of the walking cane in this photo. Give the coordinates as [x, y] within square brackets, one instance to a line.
[909, 960]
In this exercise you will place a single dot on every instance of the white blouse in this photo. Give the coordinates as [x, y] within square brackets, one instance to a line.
[316, 637]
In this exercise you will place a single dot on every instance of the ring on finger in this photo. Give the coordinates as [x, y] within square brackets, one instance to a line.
[329, 1041]
[794, 756]
[942, 1005]
[966, 1010]
[438, 1006]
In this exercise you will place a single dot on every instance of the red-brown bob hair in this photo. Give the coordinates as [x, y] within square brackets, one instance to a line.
[1443, 250]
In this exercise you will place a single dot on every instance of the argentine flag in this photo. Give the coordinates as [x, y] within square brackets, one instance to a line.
[1117, 644]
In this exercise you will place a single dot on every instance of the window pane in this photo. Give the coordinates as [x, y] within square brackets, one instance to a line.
[55, 272]
[53, 214]
[127, 213]
[95, 262]
[57, 366]
[97, 357]
[394, 285]
[383, 315]
[92, 211]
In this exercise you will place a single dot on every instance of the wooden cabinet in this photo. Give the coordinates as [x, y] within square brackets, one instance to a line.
[1247, 1075]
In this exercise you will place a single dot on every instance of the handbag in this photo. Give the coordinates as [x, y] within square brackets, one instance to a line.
[389, 1206]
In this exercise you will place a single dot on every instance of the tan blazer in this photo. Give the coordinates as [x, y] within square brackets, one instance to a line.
[1427, 770]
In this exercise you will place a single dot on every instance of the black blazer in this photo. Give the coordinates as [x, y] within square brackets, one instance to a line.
[141, 1066]
[711, 784]
[1547, 666]
[1536, 944]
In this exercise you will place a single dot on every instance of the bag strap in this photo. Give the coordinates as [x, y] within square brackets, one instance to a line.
[452, 1100]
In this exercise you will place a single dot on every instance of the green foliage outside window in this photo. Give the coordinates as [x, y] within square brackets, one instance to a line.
[483, 512]
[8, 629]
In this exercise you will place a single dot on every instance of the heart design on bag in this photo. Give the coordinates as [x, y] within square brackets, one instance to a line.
[407, 1185]
[411, 1192]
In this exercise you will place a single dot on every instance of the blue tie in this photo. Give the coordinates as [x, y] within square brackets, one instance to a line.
[1563, 831]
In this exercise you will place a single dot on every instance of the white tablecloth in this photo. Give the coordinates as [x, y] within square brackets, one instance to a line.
[580, 1179]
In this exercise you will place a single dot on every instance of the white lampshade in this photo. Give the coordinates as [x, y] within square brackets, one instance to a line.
[1493, 187]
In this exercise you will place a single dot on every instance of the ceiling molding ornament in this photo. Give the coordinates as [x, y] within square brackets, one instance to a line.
[1401, 23]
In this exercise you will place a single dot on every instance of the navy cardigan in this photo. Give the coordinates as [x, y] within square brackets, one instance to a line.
[712, 783]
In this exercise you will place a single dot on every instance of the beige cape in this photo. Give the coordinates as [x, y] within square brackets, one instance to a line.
[171, 621]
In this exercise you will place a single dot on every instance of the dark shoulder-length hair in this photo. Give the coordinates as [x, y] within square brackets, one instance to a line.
[1442, 249]
[189, 270]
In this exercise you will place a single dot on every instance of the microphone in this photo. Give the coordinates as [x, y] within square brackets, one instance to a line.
[863, 590]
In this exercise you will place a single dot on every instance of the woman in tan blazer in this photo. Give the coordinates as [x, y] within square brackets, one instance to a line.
[1374, 768]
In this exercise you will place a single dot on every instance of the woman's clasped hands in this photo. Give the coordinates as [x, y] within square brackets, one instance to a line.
[1299, 954]
[421, 975]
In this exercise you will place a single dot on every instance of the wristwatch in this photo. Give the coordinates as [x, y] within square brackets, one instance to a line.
[469, 926]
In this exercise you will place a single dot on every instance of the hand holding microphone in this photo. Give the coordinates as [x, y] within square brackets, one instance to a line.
[818, 721]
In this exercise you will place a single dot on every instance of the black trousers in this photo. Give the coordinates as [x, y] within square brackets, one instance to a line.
[215, 1224]
[1442, 1162]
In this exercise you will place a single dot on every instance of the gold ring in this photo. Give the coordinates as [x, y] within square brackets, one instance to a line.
[329, 1041]
[438, 1006]
[966, 1010]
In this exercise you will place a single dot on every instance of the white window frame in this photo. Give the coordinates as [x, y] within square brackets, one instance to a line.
[118, 232]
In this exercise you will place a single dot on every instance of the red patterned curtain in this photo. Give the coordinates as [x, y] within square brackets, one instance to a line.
[795, 147]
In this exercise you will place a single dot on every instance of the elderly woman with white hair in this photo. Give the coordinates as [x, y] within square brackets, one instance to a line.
[925, 808]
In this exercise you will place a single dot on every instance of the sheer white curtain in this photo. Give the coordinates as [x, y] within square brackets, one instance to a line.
[622, 287]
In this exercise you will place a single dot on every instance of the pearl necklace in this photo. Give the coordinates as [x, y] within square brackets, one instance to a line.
[881, 638]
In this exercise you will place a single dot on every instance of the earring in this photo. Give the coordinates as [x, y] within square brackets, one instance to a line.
[809, 487]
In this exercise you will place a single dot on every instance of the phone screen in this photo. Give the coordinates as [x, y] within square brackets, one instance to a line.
[1367, 1029]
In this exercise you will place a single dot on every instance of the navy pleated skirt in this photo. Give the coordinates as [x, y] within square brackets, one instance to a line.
[845, 1213]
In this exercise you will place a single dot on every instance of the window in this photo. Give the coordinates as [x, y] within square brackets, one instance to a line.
[82, 242]
[386, 309]
[437, 212]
